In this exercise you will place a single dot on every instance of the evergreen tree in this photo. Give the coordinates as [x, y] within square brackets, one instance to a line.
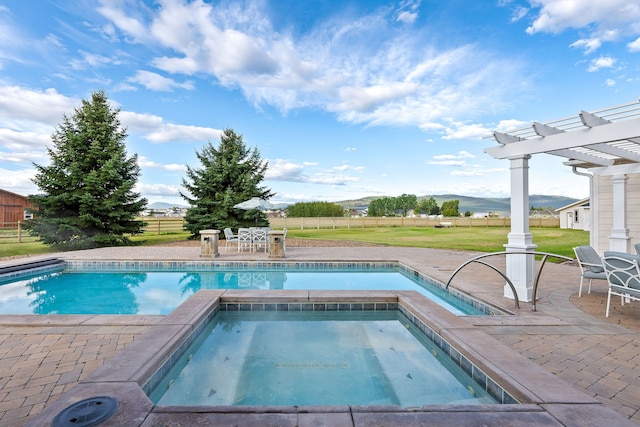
[230, 174]
[87, 195]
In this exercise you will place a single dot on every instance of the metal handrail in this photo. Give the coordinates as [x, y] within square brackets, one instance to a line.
[545, 256]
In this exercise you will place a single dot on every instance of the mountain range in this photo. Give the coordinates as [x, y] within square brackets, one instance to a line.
[475, 204]
[471, 204]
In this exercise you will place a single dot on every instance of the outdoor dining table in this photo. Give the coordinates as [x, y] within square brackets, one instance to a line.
[253, 238]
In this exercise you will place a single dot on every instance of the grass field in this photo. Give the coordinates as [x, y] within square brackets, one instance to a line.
[489, 239]
[481, 239]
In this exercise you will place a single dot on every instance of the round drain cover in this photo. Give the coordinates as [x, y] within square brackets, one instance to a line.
[86, 413]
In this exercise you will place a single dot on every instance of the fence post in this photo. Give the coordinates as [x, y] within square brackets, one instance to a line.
[158, 225]
[19, 232]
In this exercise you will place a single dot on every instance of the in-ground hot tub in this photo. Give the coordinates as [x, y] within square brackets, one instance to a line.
[304, 357]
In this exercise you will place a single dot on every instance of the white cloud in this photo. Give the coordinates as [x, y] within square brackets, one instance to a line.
[147, 163]
[129, 21]
[14, 140]
[348, 167]
[19, 181]
[476, 171]
[518, 13]
[331, 179]
[610, 82]
[158, 189]
[284, 170]
[601, 21]
[140, 122]
[634, 46]
[154, 81]
[350, 149]
[461, 155]
[365, 99]
[171, 132]
[452, 159]
[90, 60]
[464, 131]
[557, 15]
[383, 83]
[589, 45]
[600, 63]
[510, 125]
[155, 130]
[407, 17]
[447, 163]
[22, 105]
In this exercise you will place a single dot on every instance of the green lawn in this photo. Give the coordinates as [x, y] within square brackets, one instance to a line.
[481, 239]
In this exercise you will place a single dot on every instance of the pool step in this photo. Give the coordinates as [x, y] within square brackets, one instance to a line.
[28, 265]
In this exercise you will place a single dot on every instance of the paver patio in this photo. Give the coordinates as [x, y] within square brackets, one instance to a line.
[42, 357]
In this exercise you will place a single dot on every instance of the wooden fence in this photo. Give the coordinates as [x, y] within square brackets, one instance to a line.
[162, 225]
[13, 232]
[369, 222]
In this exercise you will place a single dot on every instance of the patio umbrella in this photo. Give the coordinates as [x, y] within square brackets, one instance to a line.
[257, 203]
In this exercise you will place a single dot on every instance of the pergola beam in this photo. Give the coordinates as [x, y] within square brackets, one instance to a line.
[610, 132]
[545, 130]
[505, 138]
[591, 120]
[583, 157]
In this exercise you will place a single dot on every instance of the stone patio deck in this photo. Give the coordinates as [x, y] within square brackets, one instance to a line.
[43, 357]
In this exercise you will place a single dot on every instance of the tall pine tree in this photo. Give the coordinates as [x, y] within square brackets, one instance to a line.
[230, 174]
[87, 195]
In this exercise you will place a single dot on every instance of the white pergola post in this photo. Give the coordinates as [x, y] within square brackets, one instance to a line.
[605, 143]
[619, 237]
[520, 267]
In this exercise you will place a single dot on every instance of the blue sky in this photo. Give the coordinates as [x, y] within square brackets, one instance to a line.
[345, 99]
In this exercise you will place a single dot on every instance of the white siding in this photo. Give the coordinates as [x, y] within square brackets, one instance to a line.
[605, 210]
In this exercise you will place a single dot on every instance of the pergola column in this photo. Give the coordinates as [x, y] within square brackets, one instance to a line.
[619, 237]
[520, 268]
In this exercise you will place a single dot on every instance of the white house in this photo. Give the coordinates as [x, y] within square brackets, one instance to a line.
[576, 216]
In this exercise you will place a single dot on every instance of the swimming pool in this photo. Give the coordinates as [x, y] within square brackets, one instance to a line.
[156, 288]
[316, 358]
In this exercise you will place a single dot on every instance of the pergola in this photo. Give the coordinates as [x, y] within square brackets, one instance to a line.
[604, 143]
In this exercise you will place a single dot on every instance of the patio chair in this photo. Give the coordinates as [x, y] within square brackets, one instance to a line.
[259, 239]
[244, 239]
[590, 264]
[623, 275]
[228, 238]
[637, 248]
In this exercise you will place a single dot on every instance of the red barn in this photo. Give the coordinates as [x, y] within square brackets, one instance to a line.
[12, 208]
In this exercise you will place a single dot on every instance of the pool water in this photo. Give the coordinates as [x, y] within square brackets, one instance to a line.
[284, 358]
[160, 292]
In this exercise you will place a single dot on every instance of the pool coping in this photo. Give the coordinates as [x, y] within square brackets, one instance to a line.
[546, 400]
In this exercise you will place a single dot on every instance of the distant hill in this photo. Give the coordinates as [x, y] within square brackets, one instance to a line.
[163, 205]
[475, 204]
